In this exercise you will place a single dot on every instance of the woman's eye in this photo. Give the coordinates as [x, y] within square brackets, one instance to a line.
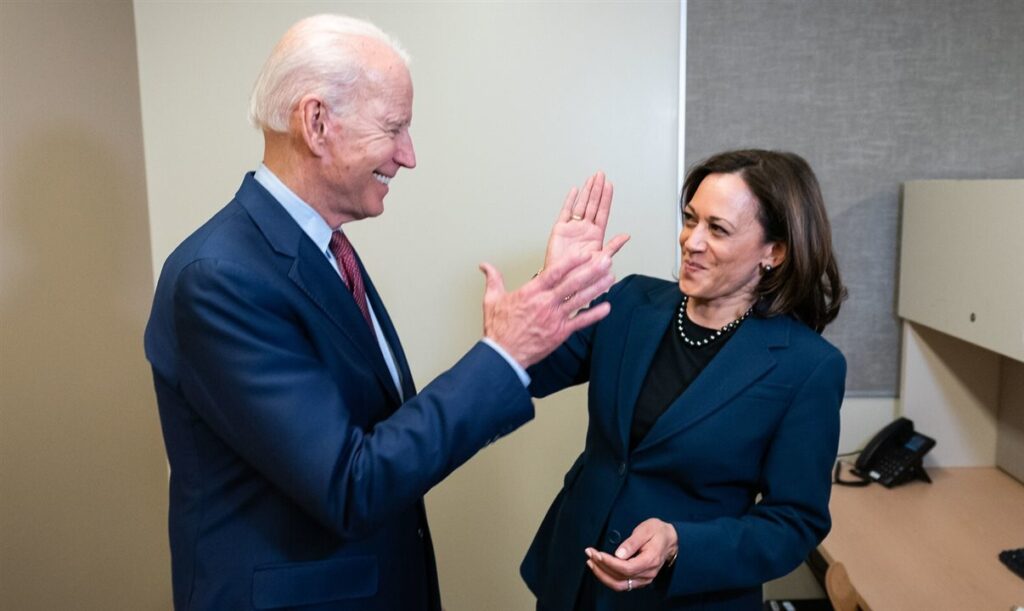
[719, 230]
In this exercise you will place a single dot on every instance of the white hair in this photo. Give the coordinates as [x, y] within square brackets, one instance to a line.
[316, 55]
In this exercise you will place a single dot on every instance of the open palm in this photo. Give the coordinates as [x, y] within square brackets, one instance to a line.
[582, 222]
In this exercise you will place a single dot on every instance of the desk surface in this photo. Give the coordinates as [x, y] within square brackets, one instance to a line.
[931, 546]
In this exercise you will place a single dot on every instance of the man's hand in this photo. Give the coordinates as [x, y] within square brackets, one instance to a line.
[638, 559]
[531, 322]
[536, 319]
[581, 224]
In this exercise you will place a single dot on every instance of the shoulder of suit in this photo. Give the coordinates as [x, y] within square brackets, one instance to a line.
[812, 344]
[230, 220]
[232, 224]
[638, 283]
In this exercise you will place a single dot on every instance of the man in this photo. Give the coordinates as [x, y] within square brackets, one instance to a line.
[299, 448]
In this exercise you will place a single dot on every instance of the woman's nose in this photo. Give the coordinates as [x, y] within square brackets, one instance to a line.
[692, 239]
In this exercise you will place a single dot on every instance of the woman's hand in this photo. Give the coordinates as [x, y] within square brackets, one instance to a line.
[582, 222]
[638, 560]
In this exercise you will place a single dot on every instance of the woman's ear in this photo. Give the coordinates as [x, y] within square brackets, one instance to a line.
[776, 254]
[313, 124]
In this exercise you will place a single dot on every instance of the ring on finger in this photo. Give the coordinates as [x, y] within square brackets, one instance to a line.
[577, 217]
[629, 585]
[568, 297]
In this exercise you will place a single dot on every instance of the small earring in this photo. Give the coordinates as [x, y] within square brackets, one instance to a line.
[766, 267]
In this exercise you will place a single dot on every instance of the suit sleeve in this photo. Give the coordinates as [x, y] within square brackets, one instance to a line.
[792, 517]
[569, 364]
[255, 379]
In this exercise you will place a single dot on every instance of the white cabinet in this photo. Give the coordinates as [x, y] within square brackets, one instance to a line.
[961, 296]
[962, 261]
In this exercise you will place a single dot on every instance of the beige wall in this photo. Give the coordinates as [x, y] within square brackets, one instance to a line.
[514, 102]
[82, 473]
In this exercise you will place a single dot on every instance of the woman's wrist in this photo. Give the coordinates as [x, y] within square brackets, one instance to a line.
[673, 547]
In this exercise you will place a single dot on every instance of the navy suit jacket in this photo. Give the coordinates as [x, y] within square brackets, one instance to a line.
[761, 419]
[296, 476]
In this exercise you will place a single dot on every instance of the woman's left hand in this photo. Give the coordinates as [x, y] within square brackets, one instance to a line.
[582, 222]
[637, 561]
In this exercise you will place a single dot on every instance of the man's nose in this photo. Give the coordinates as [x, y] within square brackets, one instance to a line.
[405, 155]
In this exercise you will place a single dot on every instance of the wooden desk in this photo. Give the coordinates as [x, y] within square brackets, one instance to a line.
[931, 547]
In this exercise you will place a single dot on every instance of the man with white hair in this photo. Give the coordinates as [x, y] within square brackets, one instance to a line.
[299, 448]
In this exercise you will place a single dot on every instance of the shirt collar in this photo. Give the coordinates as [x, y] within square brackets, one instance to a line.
[307, 218]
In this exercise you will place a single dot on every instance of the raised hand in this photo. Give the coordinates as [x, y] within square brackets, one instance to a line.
[637, 561]
[531, 322]
[582, 221]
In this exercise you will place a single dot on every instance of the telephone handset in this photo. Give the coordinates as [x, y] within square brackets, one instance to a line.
[893, 456]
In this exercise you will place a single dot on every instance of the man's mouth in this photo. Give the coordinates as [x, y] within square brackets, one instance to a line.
[382, 179]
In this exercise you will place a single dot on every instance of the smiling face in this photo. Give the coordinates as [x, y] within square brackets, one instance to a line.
[366, 147]
[723, 247]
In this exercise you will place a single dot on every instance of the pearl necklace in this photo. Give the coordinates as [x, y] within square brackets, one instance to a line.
[700, 343]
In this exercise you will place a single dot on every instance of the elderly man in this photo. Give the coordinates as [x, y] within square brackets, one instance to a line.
[299, 448]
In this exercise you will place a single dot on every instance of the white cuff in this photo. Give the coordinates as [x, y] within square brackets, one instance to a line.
[523, 376]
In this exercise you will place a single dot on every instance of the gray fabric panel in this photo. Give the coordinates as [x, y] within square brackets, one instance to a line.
[873, 93]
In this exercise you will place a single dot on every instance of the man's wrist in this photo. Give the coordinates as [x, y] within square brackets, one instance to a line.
[520, 371]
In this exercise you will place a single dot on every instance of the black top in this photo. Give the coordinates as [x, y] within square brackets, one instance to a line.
[675, 366]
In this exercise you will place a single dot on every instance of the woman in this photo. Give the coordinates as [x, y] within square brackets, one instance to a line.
[714, 404]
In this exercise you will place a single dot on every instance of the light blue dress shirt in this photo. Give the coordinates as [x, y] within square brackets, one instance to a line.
[320, 232]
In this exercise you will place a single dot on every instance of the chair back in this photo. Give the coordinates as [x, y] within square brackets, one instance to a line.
[841, 593]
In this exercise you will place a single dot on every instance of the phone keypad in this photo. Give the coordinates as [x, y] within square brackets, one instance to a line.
[892, 464]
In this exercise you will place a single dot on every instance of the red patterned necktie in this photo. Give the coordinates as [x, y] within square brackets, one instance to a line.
[345, 255]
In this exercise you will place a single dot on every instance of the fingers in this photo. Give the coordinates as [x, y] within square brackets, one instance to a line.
[617, 578]
[622, 569]
[594, 196]
[591, 203]
[615, 244]
[614, 579]
[583, 284]
[604, 206]
[494, 283]
[613, 582]
[570, 200]
[579, 207]
[554, 275]
[640, 537]
[641, 566]
[587, 317]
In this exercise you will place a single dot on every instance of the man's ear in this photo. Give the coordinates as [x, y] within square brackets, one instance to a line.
[313, 124]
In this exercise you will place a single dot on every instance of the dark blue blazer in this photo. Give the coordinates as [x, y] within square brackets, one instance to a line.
[761, 419]
[296, 476]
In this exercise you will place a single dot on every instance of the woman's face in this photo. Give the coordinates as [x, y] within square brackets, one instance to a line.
[723, 243]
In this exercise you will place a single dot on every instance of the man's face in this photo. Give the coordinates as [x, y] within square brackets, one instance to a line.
[367, 146]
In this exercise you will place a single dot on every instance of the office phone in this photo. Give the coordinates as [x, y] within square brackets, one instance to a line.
[892, 457]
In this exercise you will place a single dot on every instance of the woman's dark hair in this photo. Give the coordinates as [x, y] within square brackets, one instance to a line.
[792, 212]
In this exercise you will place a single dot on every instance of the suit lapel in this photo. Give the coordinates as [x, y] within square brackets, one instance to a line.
[743, 360]
[390, 334]
[646, 328]
[313, 275]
